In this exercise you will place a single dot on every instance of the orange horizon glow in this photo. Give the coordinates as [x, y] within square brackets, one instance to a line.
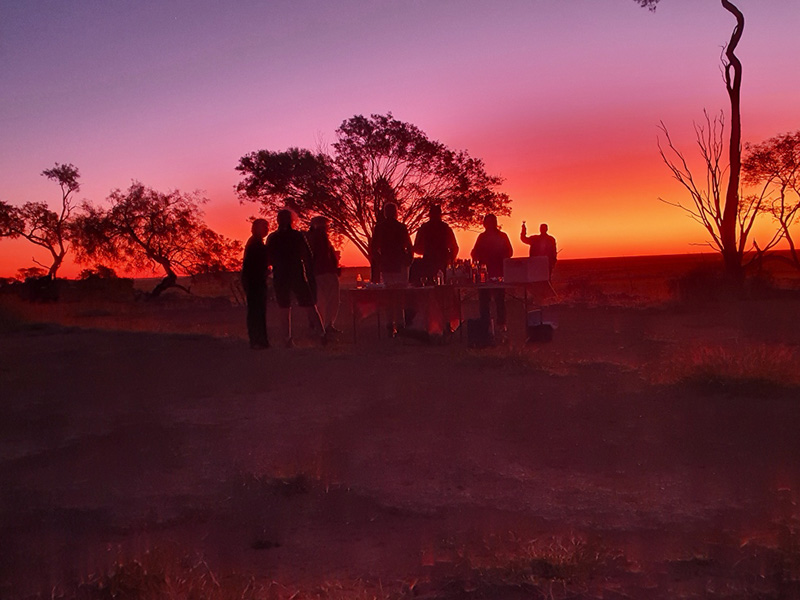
[638, 226]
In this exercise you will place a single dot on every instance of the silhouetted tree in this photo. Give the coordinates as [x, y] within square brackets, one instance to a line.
[375, 160]
[98, 272]
[144, 228]
[41, 226]
[26, 273]
[726, 216]
[7, 218]
[774, 165]
[707, 193]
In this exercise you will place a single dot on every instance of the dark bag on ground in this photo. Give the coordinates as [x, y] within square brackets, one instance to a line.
[540, 333]
[537, 330]
[479, 333]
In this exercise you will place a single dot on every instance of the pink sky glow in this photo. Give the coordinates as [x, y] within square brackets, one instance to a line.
[562, 98]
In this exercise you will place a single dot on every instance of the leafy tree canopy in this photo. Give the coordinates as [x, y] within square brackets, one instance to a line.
[775, 161]
[774, 166]
[375, 160]
[144, 228]
[40, 225]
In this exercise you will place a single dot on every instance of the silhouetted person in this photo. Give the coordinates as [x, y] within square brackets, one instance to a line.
[392, 247]
[255, 267]
[392, 251]
[326, 272]
[291, 262]
[491, 248]
[437, 244]
[543, 244]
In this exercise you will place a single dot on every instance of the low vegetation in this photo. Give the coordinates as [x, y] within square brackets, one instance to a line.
[742, 366]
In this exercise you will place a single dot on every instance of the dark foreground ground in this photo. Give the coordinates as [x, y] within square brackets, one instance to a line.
[647, 452]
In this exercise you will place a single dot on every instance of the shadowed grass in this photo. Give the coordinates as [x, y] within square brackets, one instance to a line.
[9, 321]
[164, 573]
[742, 366]
[555, 567]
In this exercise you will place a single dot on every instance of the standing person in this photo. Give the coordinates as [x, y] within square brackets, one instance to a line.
[437, 244]
[326, 273]
[255, 267]
[392, 251]
[543, 244]
[392, 248]
[491, 248]
[291, 262]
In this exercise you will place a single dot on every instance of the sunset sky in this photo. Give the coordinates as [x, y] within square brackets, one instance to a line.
[562, 98]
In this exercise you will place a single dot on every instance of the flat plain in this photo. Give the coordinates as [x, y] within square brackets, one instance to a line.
[649, 451]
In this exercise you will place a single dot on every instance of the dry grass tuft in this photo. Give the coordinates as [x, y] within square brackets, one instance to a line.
[734, 366]
[163, 573]
[521, 359]
[167, 574]
[540, 568]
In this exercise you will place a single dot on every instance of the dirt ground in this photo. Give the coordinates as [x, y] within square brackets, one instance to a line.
[649, 451]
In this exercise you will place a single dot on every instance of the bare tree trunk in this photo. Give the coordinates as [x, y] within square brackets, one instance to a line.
[58, 258]
[732, 251]
[51, 274]
[170, 281]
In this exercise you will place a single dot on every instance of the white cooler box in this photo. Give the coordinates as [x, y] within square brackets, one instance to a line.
[526, 270]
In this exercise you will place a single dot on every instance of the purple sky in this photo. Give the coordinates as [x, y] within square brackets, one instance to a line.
[560, 97]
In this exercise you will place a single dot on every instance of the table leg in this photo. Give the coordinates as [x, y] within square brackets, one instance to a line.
[460, 316]
[355, 332]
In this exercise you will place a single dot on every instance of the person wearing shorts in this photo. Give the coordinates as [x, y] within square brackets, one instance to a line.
[291, 262]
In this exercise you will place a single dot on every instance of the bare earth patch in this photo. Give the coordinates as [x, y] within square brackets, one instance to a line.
[138, 461]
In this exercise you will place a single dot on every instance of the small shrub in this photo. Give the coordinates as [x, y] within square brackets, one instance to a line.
[704, 284]
[40, 289]
[537, 568]
[98, 272]
[168, 573]
[583, 290]
[30, 273]
[101, 288]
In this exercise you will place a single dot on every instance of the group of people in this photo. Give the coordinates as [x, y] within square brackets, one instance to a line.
[492, 248]
[306, 265]
[392, 252]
